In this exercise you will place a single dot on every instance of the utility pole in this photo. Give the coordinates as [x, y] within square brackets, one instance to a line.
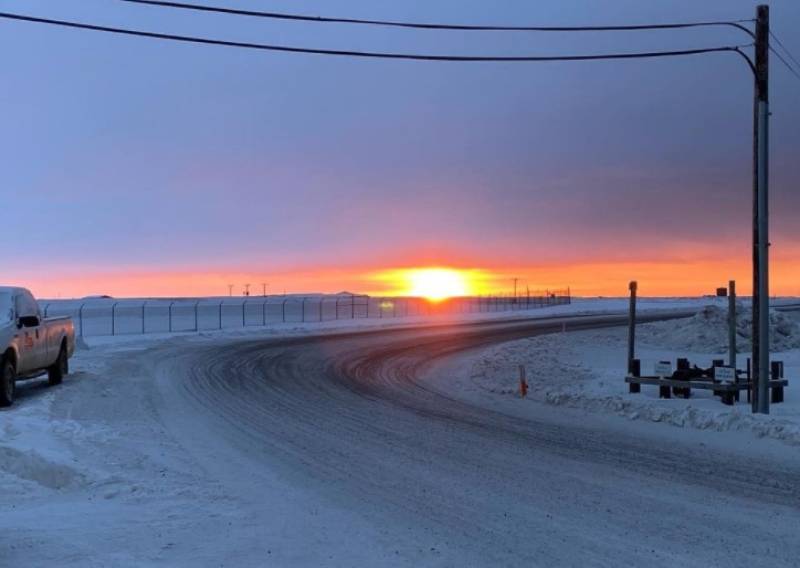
[247, 289]
[230, 289]
[760, 333]
[732, 326]
[263, 288]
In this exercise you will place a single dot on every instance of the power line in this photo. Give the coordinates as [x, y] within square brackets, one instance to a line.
[789, 67]
[786, 49]
[788, 53]
[373, 54]
[437, 26]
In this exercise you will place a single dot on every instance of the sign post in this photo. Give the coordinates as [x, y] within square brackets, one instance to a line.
[632, 326]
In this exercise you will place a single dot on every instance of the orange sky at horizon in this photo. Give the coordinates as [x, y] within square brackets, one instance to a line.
[598, 278]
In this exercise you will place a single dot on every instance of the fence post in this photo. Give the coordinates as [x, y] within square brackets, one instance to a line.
[113, 318]
[632, 325]
[352, 307]
[244, 316]
[264, 313]
[220, 313]
[283, 310]
[169, 311]
[143, 312]
[80, 317]
[196, 304]
[303, 311]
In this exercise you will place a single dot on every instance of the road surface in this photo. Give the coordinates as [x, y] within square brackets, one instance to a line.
[358, 443]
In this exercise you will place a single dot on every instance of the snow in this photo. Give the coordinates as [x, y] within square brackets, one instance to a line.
[707, 331]
[585, 369]
[106, 471]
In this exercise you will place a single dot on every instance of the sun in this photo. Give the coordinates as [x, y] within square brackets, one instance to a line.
[437, 284]
[434, 283]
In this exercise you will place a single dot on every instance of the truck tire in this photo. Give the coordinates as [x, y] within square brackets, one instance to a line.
[58, 370]
[8, 376]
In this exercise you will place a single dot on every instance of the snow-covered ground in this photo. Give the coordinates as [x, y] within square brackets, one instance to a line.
[585, 369]
[103, 471]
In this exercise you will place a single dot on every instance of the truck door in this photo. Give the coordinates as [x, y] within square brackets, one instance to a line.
[32, 340]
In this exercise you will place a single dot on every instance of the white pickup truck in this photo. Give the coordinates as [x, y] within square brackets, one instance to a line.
[30, 345]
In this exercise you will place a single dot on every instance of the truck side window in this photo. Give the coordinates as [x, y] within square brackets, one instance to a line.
[26, 305]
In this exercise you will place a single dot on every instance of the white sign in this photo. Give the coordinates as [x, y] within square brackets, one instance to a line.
[725, 374]
[663, 369]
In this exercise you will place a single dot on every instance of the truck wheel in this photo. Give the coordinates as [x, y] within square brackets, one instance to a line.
[8, 376]
[57, 371]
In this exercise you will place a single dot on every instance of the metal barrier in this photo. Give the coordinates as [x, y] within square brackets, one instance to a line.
[127, 317]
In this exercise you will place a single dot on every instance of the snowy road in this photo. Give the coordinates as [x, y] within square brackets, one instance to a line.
[402, 471]
[353, 449]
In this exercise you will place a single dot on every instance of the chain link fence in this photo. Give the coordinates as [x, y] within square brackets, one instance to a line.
[107, 316]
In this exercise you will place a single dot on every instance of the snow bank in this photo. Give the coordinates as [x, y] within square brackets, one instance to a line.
[31, 454]
[586, 370]
[707, 331]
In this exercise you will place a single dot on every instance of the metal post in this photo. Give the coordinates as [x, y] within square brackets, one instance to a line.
[303, 311]
[220, 313]
[244, 316]
[760, 214]
[170, 315]
[352, 307]
[196, 304]
[113, 319]
[320, 307]
[632, 326]
[264, 312]
[732, 324]
[80, 317]
[143, 313]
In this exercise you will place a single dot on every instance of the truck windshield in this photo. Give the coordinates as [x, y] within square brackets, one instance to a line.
[6, 307]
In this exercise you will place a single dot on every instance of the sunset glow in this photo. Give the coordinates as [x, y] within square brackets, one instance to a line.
[435, 283]
[602, 277]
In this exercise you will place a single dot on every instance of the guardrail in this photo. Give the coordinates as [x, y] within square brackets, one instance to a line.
[97, 317]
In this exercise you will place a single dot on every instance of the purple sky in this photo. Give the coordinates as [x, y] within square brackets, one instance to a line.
[124, 152]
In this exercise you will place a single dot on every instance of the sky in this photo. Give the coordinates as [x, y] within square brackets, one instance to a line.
[136, 167]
